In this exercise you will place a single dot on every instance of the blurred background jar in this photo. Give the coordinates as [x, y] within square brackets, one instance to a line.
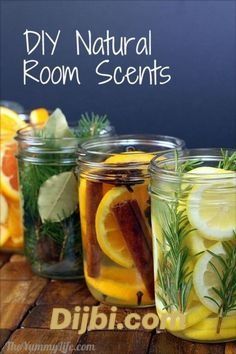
[11, 225]
[115, 216]
[47, 159]
[193, 208]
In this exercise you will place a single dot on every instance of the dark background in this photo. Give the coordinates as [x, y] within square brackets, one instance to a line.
[195, 38]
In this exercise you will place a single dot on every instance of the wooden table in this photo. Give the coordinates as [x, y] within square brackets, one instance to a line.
[26, 303]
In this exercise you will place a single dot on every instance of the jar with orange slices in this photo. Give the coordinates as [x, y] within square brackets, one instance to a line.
[115, 216]
[193, 208]
[11, 238]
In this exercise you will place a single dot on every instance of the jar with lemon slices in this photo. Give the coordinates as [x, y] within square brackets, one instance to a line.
[193, 208]
[115, 217]
[11, 226]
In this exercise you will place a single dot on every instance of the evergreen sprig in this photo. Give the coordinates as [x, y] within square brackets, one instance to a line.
[228, 161]
[186, 166]
[174, 278]
[226, 291]
[91, 125]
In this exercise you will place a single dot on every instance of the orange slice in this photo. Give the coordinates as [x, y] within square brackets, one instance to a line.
[109, 236]
[15, 222]
[10, 121]
[39, 116]
[119, 283]
[4, 209]
[8, 172]
[130, 156]
[4, 235]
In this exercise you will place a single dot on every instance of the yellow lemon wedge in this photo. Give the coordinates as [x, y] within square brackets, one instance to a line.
[211, 322]
[211, 205]
[206, 277]
[209, 334]
[109, 236]
[176, 321]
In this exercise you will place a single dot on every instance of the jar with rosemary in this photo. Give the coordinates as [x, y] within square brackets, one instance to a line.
[115, 216]
[47, 159]
[193, 208]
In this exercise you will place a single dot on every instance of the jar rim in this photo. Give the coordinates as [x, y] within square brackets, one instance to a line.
[161, 168]
[89, 149]
[26, 134]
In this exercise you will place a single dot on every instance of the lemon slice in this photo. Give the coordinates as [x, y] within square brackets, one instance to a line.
[176, 321]
[209, 334]
[211, 322]
[109, 236]
[196, 243]
[205, 277]
[211, 205]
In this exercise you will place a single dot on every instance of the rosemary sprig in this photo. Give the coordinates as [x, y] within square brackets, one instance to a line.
[187, 166]
[226, 291]
[91, 125]
[228, 161]
[173, 276]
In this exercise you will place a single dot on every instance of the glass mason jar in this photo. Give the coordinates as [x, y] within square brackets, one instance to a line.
[193, 211]
[50, 202]
[115, 216]
[11, 239]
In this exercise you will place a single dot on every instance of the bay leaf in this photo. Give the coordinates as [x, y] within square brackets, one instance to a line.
[57, 126]
[57, 198]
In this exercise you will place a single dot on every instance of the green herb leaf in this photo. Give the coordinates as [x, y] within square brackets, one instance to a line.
[58, 197]
[56, 127]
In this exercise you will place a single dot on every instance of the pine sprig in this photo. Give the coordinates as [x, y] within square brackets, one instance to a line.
[228, 161]
[226, 291]
[173, 276]
[91, 125]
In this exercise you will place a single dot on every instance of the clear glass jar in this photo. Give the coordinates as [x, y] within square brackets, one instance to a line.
[115, 217]
[193, 212]
[51, 213]
[11, 239]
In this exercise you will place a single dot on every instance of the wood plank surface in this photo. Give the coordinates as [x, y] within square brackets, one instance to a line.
[66, 292]
[26, 304]
[113, 342]
[40, 341]
[40, 316]
[4, 335]
[165, 343]
[4, 257]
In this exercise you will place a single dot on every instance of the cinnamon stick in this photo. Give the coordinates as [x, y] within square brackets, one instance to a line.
[138, 239]
[139, 216]
[93, 251]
